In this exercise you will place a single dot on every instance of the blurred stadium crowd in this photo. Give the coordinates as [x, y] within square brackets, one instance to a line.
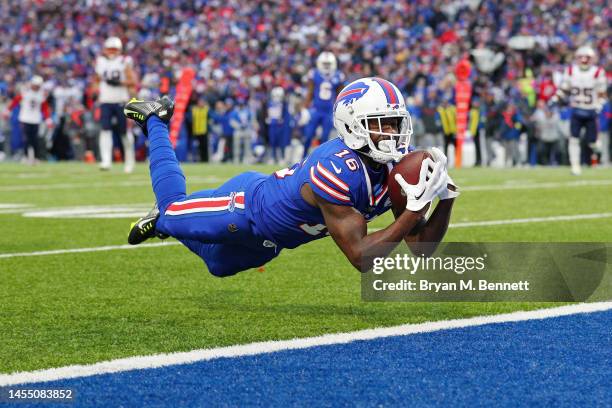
[241, 50]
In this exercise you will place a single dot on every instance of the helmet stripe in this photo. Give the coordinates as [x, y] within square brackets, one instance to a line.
[390, 93]
[349, 92]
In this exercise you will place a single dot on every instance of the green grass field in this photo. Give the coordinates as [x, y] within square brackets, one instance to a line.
[86, 307]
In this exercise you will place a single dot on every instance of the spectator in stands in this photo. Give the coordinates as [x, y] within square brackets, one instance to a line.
[475, 125]
[4, 128]
[524, 99]
[510, 132]
[256, 45]
[243, 122]
[491, 114]
[448, 119]
[414, 105]
[199, 126]
[548, 128]
[221, 115]
[431, 120]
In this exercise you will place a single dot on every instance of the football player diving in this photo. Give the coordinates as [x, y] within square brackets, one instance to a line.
[336, 190]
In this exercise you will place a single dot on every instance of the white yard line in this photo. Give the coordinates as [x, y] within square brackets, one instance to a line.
[100, 184]
[4, 206]
[555, 218]
[89, 211]
[533, 186]
[530, 220]
[64, 186]
[164, 360]
[93, 249]
[214, 179]
[453, 225]
[14, 208]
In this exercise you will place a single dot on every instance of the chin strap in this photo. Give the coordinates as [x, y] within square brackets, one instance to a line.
[364, 150]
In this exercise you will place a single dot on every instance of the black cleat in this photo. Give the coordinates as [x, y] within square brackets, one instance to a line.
[139, 111]
[144, 228]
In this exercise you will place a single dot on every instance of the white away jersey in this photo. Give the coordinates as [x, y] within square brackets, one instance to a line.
[112, 75]
[30, 110]
[584, 86]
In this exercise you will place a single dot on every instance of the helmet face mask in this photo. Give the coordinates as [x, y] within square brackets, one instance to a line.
[384, 147]
[364, 114]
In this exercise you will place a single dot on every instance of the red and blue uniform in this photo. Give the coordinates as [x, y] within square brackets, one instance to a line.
[333, 172]
[323, 98]
[247, 221]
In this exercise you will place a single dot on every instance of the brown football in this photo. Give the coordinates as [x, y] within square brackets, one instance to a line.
[409, 167]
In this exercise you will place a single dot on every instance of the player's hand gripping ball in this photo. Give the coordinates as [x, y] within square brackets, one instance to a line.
[412, 170]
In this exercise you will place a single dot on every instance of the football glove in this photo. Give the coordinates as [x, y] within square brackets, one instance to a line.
[448, 189]
[431, 179]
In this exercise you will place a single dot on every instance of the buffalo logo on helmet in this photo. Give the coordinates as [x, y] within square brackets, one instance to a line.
[352, 93]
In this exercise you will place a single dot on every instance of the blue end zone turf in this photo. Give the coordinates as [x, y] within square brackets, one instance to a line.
[564, 361]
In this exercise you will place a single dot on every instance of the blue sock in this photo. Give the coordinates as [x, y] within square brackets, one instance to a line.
[166, 175]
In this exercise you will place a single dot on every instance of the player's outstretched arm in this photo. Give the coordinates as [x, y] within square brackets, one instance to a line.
[425, 237]
[349, 230]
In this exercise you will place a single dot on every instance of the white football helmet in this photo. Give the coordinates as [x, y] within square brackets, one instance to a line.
[373, 98]
[113, 43]
[585, 56]
[277, 94]
[326, 63]
[37, 80]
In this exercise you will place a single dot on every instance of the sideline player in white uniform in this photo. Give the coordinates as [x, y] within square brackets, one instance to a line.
[584, 83]
[33, 110]
[116, 81]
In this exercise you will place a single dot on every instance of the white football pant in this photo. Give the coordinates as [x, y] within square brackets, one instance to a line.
[128, 150]
[574, 154]
[105, 144]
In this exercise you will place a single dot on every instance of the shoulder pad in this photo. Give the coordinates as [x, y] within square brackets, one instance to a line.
[327, 185]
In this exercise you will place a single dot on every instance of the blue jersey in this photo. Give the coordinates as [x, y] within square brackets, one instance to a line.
[324, 89]
[275, 113]
[222, 120]
[240, 118]
[335, 173]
